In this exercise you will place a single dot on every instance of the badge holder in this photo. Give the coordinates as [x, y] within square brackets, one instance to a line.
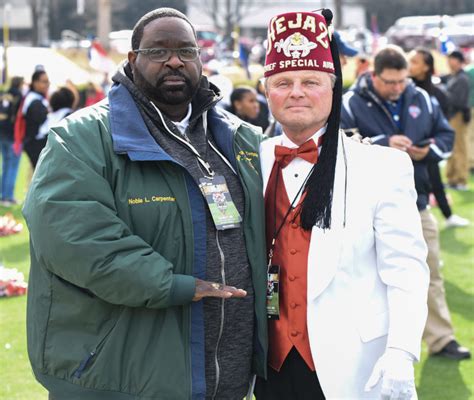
[223, 210]
[273, 292]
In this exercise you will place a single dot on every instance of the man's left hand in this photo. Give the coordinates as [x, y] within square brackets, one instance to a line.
[418, 153]
[395, 368]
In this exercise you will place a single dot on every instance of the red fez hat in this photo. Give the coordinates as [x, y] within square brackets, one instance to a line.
[298, 41]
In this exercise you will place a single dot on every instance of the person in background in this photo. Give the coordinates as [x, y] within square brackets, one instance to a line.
[421, 70]
[11, 101]
[61, 103]
[470, 73]
[344, 49]
[263, 118]
[347, 269]
[106, 84]
[77, 96]
[93, 94]
[458, 86]
[387, 107]
[31, 115]
[362, 62]
[244, 104]
[244, 55]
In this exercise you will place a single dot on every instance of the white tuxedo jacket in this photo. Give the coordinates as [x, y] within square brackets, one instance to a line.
[367, 275]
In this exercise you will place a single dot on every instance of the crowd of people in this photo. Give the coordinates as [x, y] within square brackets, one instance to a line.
[26, 115]
[186, 247]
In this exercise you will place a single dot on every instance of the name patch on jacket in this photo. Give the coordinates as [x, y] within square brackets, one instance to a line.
[249, 157]
[153, 199]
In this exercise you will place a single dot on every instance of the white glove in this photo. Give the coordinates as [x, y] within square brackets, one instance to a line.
[395, 368]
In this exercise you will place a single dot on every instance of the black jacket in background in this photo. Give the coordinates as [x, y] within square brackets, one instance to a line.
[35, 117]
[10, 102]
[439, 92]
[458, 87]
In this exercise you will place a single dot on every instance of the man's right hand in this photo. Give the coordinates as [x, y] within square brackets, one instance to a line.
[212, 289]
[400, 142]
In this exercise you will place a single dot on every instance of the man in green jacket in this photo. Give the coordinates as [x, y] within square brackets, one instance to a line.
[148, 270]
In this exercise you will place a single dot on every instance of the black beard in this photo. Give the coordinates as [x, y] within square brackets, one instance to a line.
[171, 96]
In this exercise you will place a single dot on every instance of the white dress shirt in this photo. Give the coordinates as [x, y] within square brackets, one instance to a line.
[298, 169]
[183, 124]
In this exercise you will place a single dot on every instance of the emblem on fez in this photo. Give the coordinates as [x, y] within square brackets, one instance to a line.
[295, 46]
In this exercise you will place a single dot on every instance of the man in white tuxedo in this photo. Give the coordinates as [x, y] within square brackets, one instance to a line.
[346, 267]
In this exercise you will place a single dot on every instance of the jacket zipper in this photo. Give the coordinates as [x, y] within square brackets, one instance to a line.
[82, 366]
[384, 109]
[221, 328]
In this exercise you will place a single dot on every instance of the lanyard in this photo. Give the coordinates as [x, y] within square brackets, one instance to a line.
[209, 171]
[275, 230]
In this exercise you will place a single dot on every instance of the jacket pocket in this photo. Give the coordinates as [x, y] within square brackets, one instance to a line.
[373, 326]
[88, 358]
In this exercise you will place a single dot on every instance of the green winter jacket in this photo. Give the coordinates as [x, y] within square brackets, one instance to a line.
[115, 242]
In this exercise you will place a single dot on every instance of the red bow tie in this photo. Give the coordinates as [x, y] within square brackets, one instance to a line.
[307, 151]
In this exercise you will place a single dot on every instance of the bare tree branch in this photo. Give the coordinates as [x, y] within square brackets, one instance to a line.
[34, 16]
[214, 14]
[225, 14]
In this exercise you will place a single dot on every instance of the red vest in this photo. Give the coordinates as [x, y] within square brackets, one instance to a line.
[291, 254]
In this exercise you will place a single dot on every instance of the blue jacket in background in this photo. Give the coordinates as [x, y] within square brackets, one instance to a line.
[421, 118]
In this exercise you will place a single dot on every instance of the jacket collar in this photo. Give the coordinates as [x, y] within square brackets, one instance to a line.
[131, 136]
[129, 132]
[223, 126]
[365, 87]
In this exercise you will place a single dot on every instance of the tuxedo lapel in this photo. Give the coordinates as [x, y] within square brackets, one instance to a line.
[326, 247]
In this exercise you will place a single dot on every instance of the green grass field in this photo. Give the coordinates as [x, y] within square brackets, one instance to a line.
[437, 379]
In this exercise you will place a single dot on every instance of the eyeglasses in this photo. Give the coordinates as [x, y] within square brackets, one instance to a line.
[393, 83]
[185, 54]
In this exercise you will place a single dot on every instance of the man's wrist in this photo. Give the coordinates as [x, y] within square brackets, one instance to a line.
[400, 354]
[182, 290]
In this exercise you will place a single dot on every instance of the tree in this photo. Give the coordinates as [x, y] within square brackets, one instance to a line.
[104, 19]
[40, 16]
[63, 15]
[338, 14]
[34, 17]
[126, 13]
[227, 14]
